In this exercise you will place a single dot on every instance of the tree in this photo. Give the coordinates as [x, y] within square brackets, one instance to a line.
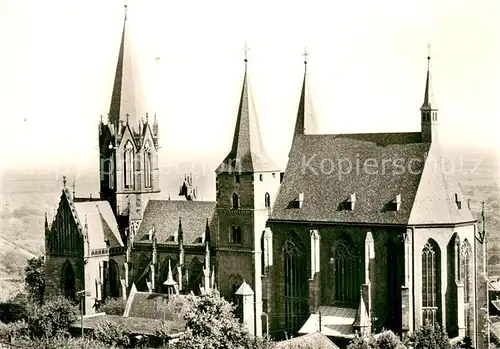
[210, 323]
[430, 337]
[113, 306]
[362, 342]
[52, 318]
[112, 333]
[34, 278]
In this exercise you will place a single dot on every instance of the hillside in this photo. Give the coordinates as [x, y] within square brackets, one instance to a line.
[27, 196]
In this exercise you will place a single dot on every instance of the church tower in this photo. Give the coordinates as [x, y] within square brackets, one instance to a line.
[128, 144]
[247, 182]
[429, 110]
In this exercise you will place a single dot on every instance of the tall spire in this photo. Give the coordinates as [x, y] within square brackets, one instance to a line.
[305, 114]
[428, 95]
[127, 98]
[429, 110]
[247, 152]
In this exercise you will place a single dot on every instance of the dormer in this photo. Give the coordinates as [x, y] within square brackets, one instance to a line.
[351, 202]
[458, 201]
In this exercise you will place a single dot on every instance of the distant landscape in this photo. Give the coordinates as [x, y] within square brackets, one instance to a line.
[27, 196]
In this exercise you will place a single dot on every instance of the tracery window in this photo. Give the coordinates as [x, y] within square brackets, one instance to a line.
[128, 165]
[431, 283]
[347, 269]
[148, 166]
[114, 279]
[466, 278]
[296, 285]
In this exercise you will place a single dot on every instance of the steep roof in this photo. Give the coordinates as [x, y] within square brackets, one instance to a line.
[429, 102]
[305, 122]
[101, 223]
[164, 215]
[127, 96]
[377, 168]
[328, 169]
[247, 152]
[313, 340]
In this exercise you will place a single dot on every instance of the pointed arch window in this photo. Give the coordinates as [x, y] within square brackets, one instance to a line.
[113, 280]
[68, 283]
[347, 281]
[128, 165]
[235, 235]
[148, 166]
[267, 200]
[236, 201]
[466, 278]
[295, 283]
[195, 275]
[431, 283]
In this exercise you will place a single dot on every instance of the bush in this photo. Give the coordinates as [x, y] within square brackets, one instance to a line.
[113, 306]
[112, 333]
[52, 318]
[430, 336]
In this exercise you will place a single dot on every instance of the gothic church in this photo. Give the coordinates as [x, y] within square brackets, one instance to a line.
[346, 247]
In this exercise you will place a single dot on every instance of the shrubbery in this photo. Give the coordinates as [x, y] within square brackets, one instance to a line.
[112, 333]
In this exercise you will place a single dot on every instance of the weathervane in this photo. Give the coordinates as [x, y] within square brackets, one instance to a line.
[305, 54]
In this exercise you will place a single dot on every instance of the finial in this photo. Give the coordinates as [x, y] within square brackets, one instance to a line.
[125, 12]
[246, 55]
[127, 115]
[74, 187]
[64, 181]
[428, 55]
[147, 118]
[305, 54]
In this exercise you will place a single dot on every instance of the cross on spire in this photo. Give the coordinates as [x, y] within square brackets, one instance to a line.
[125, 12]
[246, 52]
[428, 54]
[305, 54]
[64, 181]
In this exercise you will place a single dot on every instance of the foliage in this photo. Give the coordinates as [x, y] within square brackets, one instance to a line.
[362, 342]
[384, 340]
[112, 333]
[34, 278]
[210, 323]
[429, 336]
[52, 318]
[15, 330]
[13, 310]
[113, 306]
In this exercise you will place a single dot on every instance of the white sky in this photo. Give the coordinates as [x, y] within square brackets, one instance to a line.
[366, 71]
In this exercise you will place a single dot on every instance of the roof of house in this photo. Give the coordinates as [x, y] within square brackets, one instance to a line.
[335, 321]
[313, 340]
[136, 324]
[164, 215]
[101, 223]
[377, 168]
[151, 305]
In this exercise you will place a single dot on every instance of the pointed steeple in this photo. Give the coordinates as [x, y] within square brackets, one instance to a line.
[207, 233]
[180, 234]
[170, 279]
[305, 114]
[127, 99]
[247, 152]
[429, 110]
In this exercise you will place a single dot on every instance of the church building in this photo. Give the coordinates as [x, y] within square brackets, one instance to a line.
[361, 232]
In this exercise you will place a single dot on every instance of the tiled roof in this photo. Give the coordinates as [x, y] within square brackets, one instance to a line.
[164, 215]
[335, 321]
[376, 168]
[101, 223]
[247, 152]
[148, 305]
[136, 324]
[313, 340]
